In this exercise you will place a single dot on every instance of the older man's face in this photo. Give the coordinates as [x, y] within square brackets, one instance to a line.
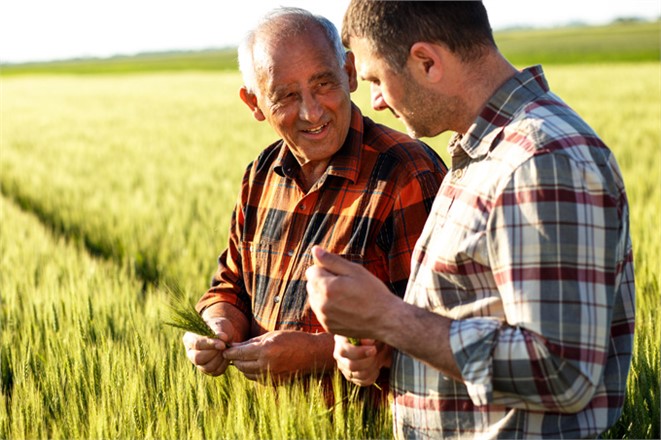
[305, 95]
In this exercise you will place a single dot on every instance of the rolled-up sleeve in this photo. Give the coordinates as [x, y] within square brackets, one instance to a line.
[556, 245]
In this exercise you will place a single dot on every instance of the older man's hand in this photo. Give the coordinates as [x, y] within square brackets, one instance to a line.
[281, 354]
[207, 353]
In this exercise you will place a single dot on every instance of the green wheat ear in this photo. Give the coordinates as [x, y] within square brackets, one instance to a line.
[182, 313]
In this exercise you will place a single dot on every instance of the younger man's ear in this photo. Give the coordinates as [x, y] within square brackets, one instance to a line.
[427, 59]
[251, 101]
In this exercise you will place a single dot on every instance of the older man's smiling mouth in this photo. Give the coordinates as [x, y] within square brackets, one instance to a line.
[316, 130]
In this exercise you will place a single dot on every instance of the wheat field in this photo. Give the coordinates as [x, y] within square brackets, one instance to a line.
[114, 184]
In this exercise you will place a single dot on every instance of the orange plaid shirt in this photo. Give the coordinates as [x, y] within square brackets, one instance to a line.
[369, 206]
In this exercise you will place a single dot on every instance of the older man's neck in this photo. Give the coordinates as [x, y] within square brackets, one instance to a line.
[311, 172]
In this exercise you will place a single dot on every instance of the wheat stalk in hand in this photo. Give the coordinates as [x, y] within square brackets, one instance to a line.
[183, 314]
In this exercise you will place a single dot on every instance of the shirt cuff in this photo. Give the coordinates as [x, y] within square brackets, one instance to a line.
[473, 341]
[221, 297]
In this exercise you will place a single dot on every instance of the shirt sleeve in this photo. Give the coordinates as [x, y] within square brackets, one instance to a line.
[556, 240]
[411, 208]
[227, 283]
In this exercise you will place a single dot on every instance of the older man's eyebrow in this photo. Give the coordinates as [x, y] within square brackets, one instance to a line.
[278, 92]
[330, 76]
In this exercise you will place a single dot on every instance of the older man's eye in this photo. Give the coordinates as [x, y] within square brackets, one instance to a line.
[284, 97]
[325, 85]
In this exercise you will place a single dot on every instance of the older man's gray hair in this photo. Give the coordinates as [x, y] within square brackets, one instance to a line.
[284, 22]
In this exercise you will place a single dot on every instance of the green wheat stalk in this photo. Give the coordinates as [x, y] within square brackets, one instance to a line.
[182, 314]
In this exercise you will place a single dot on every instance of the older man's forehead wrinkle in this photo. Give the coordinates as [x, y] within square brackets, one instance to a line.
[273, 86]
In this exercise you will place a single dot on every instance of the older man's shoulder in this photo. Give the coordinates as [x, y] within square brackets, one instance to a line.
[268, 156]
[399, 145]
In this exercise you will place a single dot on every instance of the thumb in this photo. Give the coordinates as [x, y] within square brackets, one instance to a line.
[330, 262]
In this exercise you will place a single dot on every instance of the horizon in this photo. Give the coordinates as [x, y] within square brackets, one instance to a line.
[105, 30]
[231, 48]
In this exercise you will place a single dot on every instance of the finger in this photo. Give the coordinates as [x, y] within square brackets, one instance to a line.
[364, 371]
[202, 357]
[251, 368]
[215, 367]
[366, 341]
[361, 378]
[242, 351]
[331, 262]
[345, 349]
[359, 375]
[193, 341]
[189, 340]
[339, 339]
[318, 279]
[348, 374]
[258, 376]
[216, 324]
[316, 273]
[364, 379]
[367, 364]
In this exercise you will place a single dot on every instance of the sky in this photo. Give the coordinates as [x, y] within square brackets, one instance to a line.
[39, 30]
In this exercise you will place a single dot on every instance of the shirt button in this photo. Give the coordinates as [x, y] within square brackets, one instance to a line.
[458, 174]
[302, 207]
[276, 299]
[291, 253]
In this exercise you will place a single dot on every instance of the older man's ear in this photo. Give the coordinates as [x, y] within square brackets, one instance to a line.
[251, 101]
[350, 69]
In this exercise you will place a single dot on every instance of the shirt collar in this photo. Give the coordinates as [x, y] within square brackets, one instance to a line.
[499, 111]
[345, 163]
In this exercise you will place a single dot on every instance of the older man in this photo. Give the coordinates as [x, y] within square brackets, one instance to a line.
[522, 281]
[335, 178]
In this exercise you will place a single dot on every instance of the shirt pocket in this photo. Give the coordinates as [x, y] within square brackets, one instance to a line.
[258, 259]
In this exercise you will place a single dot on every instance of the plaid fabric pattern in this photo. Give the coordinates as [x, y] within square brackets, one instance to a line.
[528, 249]
[370, 207]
